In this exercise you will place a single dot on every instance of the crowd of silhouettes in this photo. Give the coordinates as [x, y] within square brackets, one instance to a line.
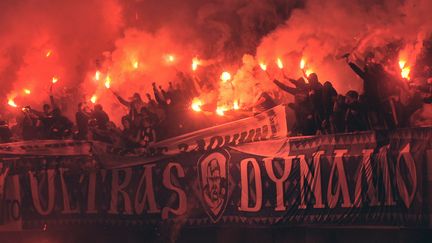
[387, 102]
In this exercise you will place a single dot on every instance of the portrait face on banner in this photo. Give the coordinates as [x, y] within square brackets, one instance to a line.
[213, 176]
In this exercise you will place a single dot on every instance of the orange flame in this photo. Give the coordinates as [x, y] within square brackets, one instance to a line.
[169, 58]
[48, 54]
[93, 99]
[279, 63]
[302, 63]
[54, 79]
[405, 70]
[135, 64]
[405, 73]
[220, 111]
[12, 103]
[97, 75]
[107, 82]
[27, 91]
[263, 66]
[225, 76]
[236, 105]
[195, 63]
[308, 72]
[196, 105]
[402, 64]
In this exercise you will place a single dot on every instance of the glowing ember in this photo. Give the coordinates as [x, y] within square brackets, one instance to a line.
[107, 82]
[263, 66]
[169, 58]
[279, 63]
[195, 63]
[48, 54]
[196, 105]
[220, 111]
[402, 64]
[302, 64]
[405, 73]
[54, 80]
[97, 75]
[405, 70]
[225, 76]
[308, 72]
[236, 105]
[27, 91]
[135, 64]
[93, 99]
[12, 103]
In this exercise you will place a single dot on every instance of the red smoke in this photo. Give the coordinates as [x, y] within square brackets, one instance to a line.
[135, 43]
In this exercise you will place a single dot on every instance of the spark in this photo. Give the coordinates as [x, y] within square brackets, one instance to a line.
[93, 99]
[107, 82]
[196, 105]
[225, 76]
[279, 63]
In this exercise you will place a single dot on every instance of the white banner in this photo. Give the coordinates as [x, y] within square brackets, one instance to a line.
[267, 125]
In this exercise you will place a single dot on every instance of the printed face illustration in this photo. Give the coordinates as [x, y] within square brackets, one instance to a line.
[214, 180]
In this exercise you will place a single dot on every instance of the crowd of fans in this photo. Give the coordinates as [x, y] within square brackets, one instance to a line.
[138, 126]
[387, 102]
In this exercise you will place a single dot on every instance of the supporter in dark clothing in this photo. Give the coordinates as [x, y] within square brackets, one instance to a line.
[151, 101]
[305, 124]
[135, 104]
[147, 134]
[329, 96]
[82, 118]
[158, 95]
[29, 124]
[46, 120]
[315, 96]
[378, 86]
[5, 132]
[101, 117]
[354, 118]
[61, 127]
[337, 119]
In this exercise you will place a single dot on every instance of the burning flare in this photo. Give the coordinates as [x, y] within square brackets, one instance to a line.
[12, 103]
[302, 64]
[107, 82]
[48, 54]
[308, 72]
[220, 111]
[196, 104]
[135, 64]
[405, 70]
[225, 76]
[195, 63]
[93, 99]
[279, 63]
[263, 66]
[54, 80]
[27, 91]
[97, 75]
[169, 58]
[236, 105]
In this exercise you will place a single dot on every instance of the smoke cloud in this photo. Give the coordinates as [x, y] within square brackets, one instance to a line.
[135, 43]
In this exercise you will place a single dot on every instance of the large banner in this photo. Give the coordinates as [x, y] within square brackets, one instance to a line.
[267, 125]
[349, 179]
